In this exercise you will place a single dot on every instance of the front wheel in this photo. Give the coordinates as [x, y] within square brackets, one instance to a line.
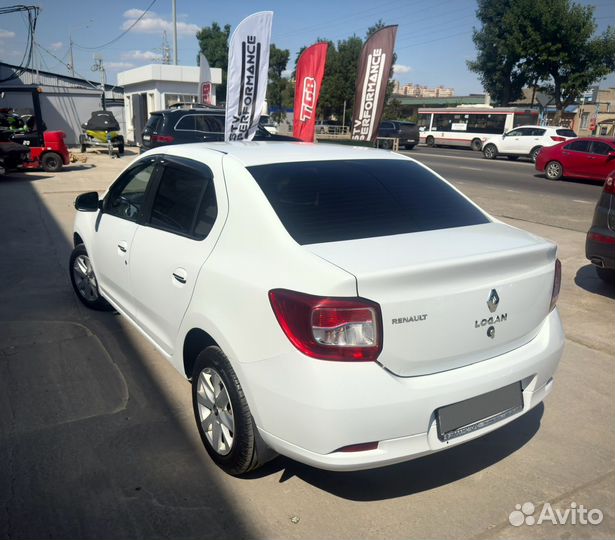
[553, 170]
[84, 280]
[490, 151]
[51, 162]
[222, 415]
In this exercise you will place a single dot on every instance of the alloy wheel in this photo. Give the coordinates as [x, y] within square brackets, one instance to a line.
[85, 280]
[215, 411]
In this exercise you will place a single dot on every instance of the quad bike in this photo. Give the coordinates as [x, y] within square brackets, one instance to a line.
[102, 130]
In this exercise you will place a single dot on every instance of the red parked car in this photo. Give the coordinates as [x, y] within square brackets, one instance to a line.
[586, 157]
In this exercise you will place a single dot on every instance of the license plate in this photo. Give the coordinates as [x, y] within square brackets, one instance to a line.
[478, 412]
[146, 137]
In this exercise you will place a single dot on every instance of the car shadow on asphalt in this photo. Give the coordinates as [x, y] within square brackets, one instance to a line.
[418, 475]
[588, 280]
[92, 438]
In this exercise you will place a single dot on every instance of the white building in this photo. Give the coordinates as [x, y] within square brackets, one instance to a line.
[156, 87]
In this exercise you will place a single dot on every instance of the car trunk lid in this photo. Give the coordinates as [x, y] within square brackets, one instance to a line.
[450, 297]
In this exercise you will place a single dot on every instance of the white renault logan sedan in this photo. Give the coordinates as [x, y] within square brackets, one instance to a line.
[346, 307]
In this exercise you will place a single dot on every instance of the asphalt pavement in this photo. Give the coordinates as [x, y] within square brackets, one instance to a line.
[97, 438]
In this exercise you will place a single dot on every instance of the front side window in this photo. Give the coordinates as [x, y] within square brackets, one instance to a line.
[185, 202]
[126, 196]
[331, 201]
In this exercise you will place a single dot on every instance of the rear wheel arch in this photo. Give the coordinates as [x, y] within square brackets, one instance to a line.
[196, 340]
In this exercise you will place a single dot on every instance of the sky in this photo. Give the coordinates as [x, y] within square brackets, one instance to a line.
[434, 38]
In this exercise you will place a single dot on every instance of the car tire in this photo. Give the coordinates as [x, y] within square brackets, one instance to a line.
[512, 158]
[534, 153]
[476, 145]
[606, 274]
[409, 146]
[51, 162]
[224, 421]
[386, 145]
[490, 151]
[430, 141]
[554, 170]
[84, 280]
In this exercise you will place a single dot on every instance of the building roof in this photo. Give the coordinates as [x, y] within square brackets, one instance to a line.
[440, 101]
[165, 72]
[78, 81]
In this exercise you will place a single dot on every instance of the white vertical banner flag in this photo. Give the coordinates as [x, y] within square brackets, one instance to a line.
[246, 83]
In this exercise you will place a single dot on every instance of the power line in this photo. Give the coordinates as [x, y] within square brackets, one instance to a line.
[32, 16]
[121, 35]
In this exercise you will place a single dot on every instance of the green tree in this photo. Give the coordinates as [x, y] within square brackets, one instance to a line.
[213, 43]
[277, 85]
[561, 48]
[499, 59]
[548, 43]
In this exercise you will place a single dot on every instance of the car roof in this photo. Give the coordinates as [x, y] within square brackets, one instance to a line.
[252, 153]
[195, 110]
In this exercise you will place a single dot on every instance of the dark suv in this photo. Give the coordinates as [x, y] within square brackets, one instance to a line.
[406, 132]
[600, 241]
[178, 126]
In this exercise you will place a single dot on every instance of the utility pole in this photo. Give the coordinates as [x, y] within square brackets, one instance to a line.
[99, 66]
[174, 32]
[166, 50]
[72, 61]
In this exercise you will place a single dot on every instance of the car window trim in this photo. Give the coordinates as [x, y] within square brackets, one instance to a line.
[181, 163]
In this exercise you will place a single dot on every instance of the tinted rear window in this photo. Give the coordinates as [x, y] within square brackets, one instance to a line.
[578, 146]
[153, 121]
[565, 133]
[330, 201]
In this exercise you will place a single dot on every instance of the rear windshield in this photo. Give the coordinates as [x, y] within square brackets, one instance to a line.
[152, 122]
[565, 133]
[331, 201]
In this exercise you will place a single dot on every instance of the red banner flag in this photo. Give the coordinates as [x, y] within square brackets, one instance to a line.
[374, 68]
[310, 71]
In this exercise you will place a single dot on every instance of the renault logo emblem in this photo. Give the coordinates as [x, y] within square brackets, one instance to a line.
[493, 301]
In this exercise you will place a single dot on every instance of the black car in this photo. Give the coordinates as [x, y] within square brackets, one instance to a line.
[600, 242]
[178, 126]
[406, 132]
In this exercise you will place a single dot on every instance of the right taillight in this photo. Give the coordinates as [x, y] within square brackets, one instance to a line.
[609, 185]
[343, 329]
[557, 283]
[558, 139]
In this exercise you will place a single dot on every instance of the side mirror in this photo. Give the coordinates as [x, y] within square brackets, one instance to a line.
[611, 155]
[88, 202]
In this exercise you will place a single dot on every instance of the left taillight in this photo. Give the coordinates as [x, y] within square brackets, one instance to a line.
[341, 329]
[557, 283]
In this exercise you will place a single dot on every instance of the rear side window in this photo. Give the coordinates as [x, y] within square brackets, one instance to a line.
[565, 133]
[185, 202]
[331, 201]
[578, 146]
[601, 148]
[186, 123]
[537, 132]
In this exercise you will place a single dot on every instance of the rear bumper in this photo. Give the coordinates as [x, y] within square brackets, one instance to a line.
[308, 409]
[600, 253]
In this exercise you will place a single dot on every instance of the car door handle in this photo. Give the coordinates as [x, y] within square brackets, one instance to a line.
[123, 247]
[180, 276]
